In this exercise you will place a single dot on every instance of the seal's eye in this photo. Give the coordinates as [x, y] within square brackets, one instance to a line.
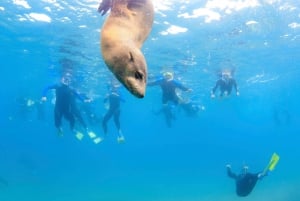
[138, 75]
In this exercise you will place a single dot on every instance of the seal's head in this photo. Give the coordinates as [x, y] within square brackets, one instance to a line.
[131, 70]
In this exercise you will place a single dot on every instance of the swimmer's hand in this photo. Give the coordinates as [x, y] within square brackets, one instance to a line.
[88, 100]
[44, 99]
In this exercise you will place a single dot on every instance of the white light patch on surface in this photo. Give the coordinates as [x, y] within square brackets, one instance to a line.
[251, 22]
[208, 14]
[294, 25]
[173, 29]
[22, 3]
[40, 17]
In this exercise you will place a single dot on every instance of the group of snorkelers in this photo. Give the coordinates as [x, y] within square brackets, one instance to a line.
[65, 106]
[172, 88]
[66, 103]
[172, 100]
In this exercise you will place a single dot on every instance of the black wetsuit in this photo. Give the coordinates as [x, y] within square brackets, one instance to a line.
[65, 105]
[169, 97]
[244, 182]
[191, 108]
[225, 86]
[168, 110]
[169, 89]
[114, 99]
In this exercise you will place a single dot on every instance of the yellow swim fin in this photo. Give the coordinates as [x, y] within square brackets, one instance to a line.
[92, 135]
[79, 135]
[97, 140]
[273, 162]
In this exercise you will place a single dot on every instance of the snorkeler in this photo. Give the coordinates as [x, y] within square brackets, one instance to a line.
[65, 104]
[114, 99]
[226, 82]
[245, 181]
[170, 98]
[169, 85]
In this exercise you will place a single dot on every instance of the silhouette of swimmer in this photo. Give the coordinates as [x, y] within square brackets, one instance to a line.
[225, 83]
[168, 110]
[245, 181]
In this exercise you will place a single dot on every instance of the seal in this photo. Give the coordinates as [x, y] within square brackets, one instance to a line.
[122, 36]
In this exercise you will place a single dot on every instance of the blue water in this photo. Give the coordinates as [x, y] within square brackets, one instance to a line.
[41, 40]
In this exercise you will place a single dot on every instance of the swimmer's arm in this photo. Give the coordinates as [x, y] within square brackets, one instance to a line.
[216, 86]
[155, 82]
[81, 97]
[46, 89]
[180, 86]
[230, 173]
[235, 87]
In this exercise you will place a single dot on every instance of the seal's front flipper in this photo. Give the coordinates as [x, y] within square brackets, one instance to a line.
[104, 6]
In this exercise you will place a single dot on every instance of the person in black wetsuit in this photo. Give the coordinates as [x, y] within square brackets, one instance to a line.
[225, 83]
[244, 181]
[168, 110]
[114, 99]
[169, 86]
[65, 104]
[170, 99]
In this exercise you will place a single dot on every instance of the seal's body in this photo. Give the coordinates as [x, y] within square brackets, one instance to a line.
[122, 37]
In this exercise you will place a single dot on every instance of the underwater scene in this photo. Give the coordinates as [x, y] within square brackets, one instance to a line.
[150, 100]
